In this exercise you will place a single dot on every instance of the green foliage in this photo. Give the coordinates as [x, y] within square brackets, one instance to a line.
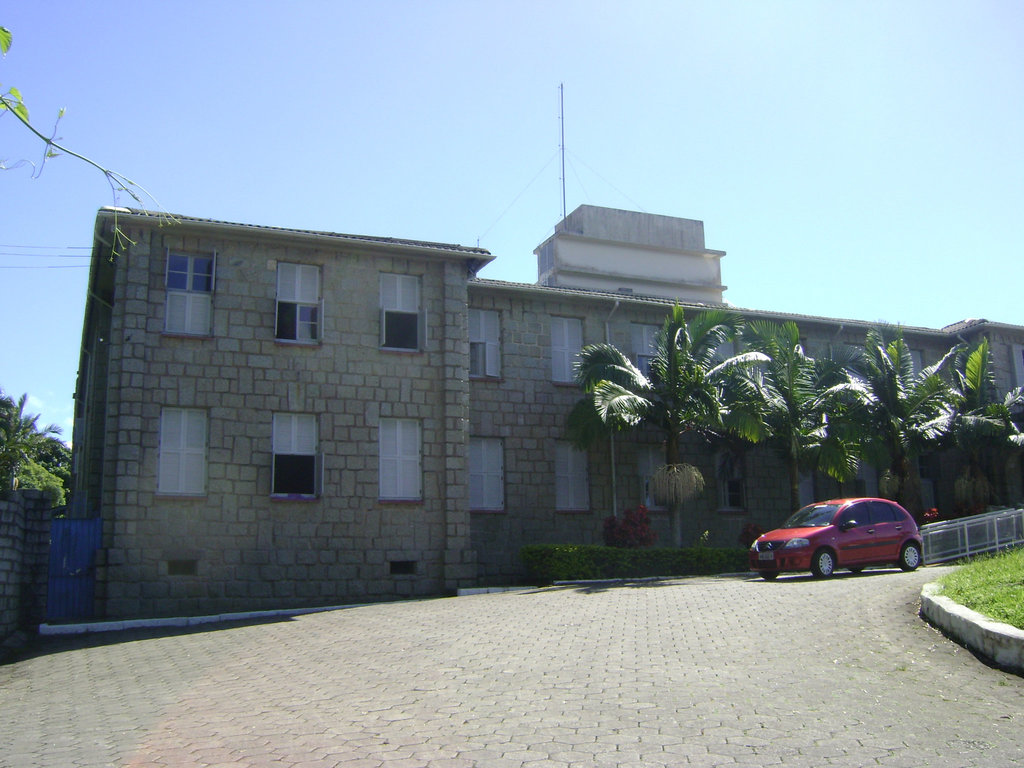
[11, 101]
[804, 428]
[991, 585]
[35, 475]
[30, 456]
[684, 391]
[571, 562]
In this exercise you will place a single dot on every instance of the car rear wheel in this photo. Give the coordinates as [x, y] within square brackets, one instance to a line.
[769, 575]
[823, 564]
[910, 556]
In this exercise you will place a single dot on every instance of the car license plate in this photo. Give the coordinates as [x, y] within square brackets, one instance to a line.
[765, 555]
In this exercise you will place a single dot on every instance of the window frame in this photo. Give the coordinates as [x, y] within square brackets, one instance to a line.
[192, 300]
[1017, 351]
[397, 302]
[295, 293]
[185, 443]
[296, 435]
[730, 475]
[484, 343]
[644, 337]
[650, 458]
[486, 463]
[572, 478]
[400, 460]
[566, 344]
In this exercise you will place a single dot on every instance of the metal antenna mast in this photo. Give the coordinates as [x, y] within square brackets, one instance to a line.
[561, 112]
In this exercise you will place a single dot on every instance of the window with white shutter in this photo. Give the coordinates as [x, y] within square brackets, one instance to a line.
[299, 307]
[650, 458]
[401, 323]
[1018, 364]
[400, 466]
[189, 282]
[484, 345]
[182, 456]
[295, 455]
[566, 342]
[572, 484]
[486, 474]
[644, 346]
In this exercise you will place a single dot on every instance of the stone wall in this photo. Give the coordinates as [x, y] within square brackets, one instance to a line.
[528, 411]
[236, 547]
[24, 550]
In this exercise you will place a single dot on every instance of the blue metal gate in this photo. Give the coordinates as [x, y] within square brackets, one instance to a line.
[72, 585]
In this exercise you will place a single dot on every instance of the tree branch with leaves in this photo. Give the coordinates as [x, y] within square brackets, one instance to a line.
[12, 102]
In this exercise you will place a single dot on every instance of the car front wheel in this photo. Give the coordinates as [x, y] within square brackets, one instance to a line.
[910, 556]
[823, 564]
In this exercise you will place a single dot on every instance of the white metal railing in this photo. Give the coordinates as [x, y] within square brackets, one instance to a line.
[975, 535]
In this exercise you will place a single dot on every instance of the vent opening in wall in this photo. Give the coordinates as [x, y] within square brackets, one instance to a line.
[182, 567]
[403, 567]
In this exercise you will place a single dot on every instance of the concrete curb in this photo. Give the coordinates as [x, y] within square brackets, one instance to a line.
[193, 621]
[177, 621]
[1001, 643]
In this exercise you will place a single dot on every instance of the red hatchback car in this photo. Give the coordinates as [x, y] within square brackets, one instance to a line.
[841, 533]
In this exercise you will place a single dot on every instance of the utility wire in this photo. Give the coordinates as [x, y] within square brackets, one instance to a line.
[516, 200]
[44, 266]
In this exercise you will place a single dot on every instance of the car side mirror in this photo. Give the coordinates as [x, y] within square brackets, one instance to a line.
[847, 525]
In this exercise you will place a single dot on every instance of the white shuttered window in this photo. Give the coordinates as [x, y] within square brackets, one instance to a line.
[299, 307]
[182, 461]
[295, 455]
[643, 346]
[566, 342]
[189, 282]
[400, 470]
[486, 474]
[400, 312]
[484, 345]
[572, 484]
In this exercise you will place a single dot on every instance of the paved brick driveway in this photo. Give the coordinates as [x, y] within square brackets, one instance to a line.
[725, 671]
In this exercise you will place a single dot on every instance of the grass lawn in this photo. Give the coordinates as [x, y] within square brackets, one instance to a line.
[991, 585]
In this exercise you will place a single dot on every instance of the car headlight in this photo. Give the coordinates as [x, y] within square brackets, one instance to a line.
[797, 543]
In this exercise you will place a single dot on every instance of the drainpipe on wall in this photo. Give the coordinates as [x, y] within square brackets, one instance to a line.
[611, 437]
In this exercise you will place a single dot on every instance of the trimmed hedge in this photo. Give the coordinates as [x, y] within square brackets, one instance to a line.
[572, 562]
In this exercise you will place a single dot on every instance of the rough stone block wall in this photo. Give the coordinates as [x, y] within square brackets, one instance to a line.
[237, 548]
[24, 549]
[528, 412]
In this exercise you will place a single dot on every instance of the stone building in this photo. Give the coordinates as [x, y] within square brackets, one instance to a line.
[271, 418]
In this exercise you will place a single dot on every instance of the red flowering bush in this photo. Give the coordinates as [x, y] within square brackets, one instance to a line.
[631, 530]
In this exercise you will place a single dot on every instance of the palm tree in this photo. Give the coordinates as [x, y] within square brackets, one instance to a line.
[20, 439]
[981, 425]
[802, 426]
[897, 412]
[681, 395]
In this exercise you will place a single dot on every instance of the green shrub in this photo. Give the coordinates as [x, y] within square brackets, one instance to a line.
[580, 562]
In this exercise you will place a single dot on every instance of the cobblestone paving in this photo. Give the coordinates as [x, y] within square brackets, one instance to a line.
[693, 672]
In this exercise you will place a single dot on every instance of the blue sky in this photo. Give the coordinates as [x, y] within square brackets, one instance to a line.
[854, 159]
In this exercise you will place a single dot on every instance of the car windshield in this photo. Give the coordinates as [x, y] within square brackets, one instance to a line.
[812, 516]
